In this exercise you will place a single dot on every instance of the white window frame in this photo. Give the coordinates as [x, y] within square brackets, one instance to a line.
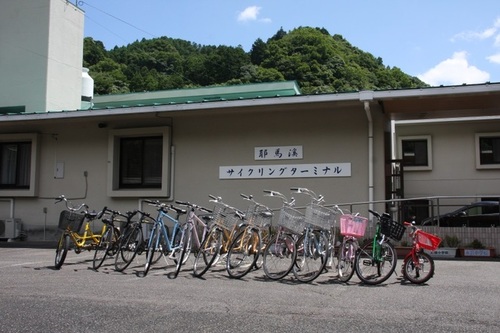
[32, 191]
[114, 137]
[428, 138]
[478, 136]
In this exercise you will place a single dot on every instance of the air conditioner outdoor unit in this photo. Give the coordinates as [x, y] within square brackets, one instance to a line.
[10, 228]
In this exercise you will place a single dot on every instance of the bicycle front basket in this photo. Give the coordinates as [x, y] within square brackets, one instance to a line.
[292, 220]
[354, 226]
[428, 241]
[259, 216]
[70, 220]
[392, 229]
[320, 217]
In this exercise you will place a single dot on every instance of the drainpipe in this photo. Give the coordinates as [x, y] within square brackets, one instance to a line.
[366, 97]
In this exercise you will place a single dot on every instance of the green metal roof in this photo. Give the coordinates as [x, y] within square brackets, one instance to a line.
[198, 95]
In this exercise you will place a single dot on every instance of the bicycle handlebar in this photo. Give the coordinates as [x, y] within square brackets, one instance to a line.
[68, 206]
[193, 206]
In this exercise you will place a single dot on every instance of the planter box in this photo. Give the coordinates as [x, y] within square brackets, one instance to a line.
[402, 251]
[443, 252]
[477, 253]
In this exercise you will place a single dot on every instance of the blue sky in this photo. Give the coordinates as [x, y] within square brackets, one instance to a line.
[443, 42]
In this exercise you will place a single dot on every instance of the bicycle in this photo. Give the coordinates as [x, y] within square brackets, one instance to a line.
[227, 221]
[280, 252]
[108, 244]
[70, 222]
[246, 247]
[159, 239]
[191, 239]
[376, 261]
[352, 227]
[132, 242]
[317, 240]
[418, 266]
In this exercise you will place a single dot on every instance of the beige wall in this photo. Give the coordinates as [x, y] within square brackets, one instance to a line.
[454, 160]
[202, 143]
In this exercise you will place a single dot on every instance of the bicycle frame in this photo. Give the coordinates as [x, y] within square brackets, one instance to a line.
[193, 222]
[159, 223]
[80, 241]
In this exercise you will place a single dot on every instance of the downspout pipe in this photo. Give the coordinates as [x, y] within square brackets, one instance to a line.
[366, 97]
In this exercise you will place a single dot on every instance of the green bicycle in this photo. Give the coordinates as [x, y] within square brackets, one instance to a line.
[376, 261]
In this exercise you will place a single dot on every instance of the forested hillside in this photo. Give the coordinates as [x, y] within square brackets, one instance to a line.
[318, 61]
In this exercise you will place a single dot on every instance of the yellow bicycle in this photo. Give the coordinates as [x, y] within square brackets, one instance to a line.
[70, 222]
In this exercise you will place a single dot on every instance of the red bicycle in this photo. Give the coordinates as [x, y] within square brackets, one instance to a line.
[418, 266]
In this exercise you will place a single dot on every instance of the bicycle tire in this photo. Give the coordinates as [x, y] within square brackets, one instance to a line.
[243, 253]
[62, 250]
[371, 271]
[421, 273]
[346, 258]
[279, 256]
[129, 246]
[209, 251]
[265, 236]
[182, 252]
[154, 245]
[103, 247]
[312, 255]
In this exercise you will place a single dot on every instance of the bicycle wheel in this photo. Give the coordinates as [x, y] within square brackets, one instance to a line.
[243, 253]
[346, 259]
[209, 251]
[374, 270]
[421, 272]
[155, 244]
[129, 246]
[61, 250]
[279, 256]
[183, 248]
[103, 247]
[265, 237]
[312, 254]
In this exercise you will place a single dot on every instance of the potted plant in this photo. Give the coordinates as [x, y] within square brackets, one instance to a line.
[447, 248]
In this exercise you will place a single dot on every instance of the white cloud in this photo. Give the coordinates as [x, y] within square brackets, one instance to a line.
[453, 71]
[474, 35]
[251, 14]
[494, 58]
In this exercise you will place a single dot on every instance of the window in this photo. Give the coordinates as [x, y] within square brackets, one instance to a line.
[488, 151]
[15, 162]
[18, 164]
[139, 162]
[416, 152]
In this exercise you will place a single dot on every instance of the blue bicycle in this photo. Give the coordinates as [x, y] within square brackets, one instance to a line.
[159, 238]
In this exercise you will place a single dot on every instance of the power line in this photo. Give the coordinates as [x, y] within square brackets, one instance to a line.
[81, 3]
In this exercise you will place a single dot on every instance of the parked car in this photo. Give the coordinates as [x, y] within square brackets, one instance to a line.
[481, 214]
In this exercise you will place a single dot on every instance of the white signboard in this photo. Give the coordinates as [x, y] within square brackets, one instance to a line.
[278, 153]
[285, 171]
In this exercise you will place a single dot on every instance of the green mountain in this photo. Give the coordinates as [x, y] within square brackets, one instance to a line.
[318, 61]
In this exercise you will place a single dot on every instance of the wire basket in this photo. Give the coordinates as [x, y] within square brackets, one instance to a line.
[292, 220]
[259, 216]
[225, 216]
[320, 216]
[354, 226]
[392, 229]
[70, 220]
[428, 241]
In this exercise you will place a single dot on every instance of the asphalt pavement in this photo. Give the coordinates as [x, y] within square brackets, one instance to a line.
[463, 296]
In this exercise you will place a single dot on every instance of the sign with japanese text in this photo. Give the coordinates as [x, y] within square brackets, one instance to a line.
[278, 153]
[285, 171]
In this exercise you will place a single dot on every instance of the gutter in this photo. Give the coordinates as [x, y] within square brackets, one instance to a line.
[366, 97]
